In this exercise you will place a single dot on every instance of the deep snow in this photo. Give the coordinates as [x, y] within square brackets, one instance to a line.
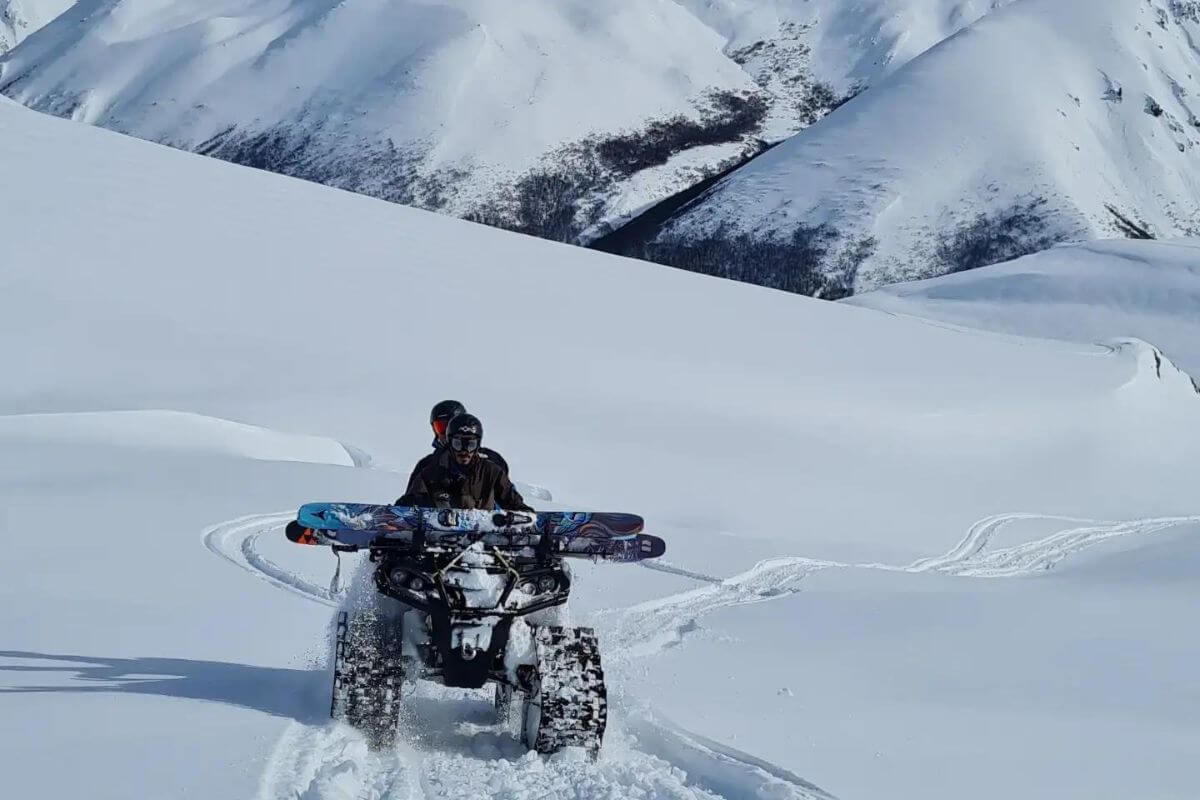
[906, 559]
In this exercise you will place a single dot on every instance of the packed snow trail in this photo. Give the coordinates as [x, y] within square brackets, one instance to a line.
[652, 626]
[969, 557]
[452, 747]
[655, 625]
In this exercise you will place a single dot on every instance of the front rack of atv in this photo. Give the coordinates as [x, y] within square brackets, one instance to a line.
[535, 544]
[412, 576]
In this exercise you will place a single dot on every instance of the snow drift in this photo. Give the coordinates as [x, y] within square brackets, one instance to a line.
[176, 431]
[1086, 293]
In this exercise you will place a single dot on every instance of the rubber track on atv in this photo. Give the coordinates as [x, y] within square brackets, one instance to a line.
[367, 677]
[568, 706]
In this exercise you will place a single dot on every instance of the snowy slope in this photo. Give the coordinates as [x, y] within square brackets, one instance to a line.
[1085, 293]
[175, 431]
[519, 112]
[442, 104]
[1042, 118]
[863, 509]
[20, 18]
[847, 44]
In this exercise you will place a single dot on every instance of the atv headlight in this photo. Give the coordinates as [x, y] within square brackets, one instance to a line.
[527, 587]
[547, 584]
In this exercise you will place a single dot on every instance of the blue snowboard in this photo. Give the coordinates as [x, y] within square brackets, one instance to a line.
[605, 535]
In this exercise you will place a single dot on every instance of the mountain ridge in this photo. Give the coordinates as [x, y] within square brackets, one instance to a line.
[1090, 129]
[554, 119]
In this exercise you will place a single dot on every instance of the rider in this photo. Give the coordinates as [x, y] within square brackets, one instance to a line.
[459, 477]
[439, 418]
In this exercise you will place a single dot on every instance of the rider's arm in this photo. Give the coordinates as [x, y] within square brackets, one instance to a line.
[508, 497]
[417, 494]
[417, 470]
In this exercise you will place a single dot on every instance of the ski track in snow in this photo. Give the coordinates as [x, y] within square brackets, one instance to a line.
[235, 542]
[451, 746]
[655, 625]
[971, 558]
[658, 624]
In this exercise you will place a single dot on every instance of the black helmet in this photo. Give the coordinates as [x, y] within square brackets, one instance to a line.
[465, 431]
[446, 409]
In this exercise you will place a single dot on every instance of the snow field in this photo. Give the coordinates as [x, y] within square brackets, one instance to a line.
[1086, 293]
[777, 443]
[454, 748]
[151, 430]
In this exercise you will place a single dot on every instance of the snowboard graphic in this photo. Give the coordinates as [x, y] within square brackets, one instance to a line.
[585, 534]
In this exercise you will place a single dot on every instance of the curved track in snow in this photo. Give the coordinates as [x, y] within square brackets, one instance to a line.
[236, 542]
[452, 747]
[971, 556]
[659, 624]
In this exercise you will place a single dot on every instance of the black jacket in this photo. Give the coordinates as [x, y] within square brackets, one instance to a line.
[444, 484]
[484, 452]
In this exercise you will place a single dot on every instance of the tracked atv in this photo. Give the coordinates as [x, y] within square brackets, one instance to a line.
[468, 598]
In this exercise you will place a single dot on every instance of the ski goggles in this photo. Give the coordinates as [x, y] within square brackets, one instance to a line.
[468, 443]
[440, 425]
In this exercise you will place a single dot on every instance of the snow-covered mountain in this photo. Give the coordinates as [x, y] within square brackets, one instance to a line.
[1046, 120]
[20, 18]
[553, 117]
[785, 43]
[906, 559]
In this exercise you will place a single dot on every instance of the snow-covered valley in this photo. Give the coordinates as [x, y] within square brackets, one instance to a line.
[906, 557]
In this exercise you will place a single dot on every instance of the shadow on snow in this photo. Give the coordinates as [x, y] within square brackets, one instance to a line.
[299, 694]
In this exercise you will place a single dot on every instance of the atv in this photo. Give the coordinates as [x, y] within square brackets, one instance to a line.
[468, 598]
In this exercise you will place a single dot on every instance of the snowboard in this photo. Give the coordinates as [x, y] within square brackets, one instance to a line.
[585, 534]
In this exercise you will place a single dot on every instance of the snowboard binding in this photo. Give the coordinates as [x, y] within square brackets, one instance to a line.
[465, 612]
